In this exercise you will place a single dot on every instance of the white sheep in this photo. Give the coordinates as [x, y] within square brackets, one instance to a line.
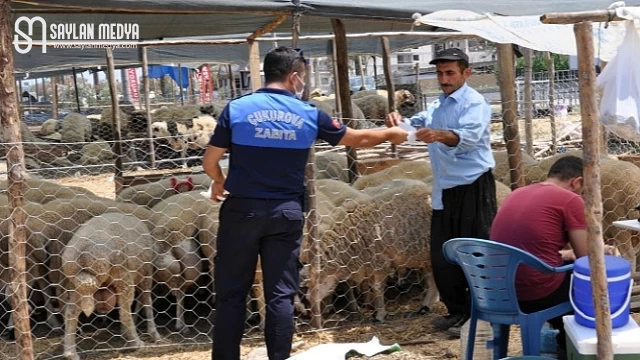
[49, 127]
[376, 107]
[401, 95]
[179, 270]
[75, 128]
[112, 253]
[389, 233]
[408, 169]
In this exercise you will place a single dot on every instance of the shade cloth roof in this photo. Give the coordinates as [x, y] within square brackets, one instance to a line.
[164, 19]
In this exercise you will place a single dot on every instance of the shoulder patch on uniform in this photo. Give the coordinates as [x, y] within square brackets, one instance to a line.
[335, 123]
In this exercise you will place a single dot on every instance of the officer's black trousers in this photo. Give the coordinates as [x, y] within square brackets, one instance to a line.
[468, 212]
[248, 227]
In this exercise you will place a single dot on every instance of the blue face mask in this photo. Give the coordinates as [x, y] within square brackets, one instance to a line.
[299, 93]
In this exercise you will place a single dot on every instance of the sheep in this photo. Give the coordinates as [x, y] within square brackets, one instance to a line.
[376, 107]
[177, 113]
[501, 172]
[402, 96]
[332, 165]
[369, 244]
[199, 131]
[149, 195]
[341, 193]
[96, 154]
[41, 191]
[75, 128]
[112, 252]
[187, 215]
[316, 93]
[179, 270]
[107, 118]
[412, 169]
[27, 135]
[49, 127]
[358, 119]
[502, 191]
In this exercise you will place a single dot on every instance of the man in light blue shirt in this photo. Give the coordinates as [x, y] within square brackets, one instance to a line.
[456, 128]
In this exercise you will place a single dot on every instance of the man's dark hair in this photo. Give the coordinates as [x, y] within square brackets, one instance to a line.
[280, 62]
[566, 168]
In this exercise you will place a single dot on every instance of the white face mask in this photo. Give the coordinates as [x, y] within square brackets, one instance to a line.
[299, 93]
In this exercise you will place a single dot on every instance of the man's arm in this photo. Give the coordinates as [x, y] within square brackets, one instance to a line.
[211, 163]
[363, 138]
[578, 241]
[473, 123]
[576, 225]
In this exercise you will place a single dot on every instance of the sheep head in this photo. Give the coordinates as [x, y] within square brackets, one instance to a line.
[405, 97]
[86, 285]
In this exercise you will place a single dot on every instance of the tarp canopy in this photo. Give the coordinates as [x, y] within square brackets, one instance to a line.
[529, 32]
[164, 19]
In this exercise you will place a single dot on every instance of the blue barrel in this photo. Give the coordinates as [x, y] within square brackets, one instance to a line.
[619, 285]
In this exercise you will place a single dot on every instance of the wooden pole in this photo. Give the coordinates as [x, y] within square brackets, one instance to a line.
[336, 83]
[592, 196]
[509, 113]
[54, 97]
[316, 72]
[147, 105]
[418, 88]
[232, 79]
[180, 84]
[115, 110]
[192, 91]
[361, 70]
[254, 65]
[551, 67]
[575, 17]
[313, 219]
[95, 83]
[16, 187]
[75, 87]
[528, 100]
[391, 91]
[342, 66]
[603, 130]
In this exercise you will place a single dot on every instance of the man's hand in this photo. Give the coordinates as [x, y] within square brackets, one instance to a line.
[567, 255]
[397, 135]
[217, 190]
[428, 135]
[393, 119]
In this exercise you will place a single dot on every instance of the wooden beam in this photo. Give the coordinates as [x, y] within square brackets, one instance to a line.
[551, 68]
[267, 28]
[509, 113]
[388, 76]
[16, 188]
[528, 100]
[427, 34]
[592, 194]
[115, 110]
[342, 64]
[54, 97]
[232, 82]
[419, 105]
[580, 16]
[254, 65]
[147, 105]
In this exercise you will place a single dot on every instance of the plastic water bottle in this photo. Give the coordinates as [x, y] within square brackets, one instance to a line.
[483, 345]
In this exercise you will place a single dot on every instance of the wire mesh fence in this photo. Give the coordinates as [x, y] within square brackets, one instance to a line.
[134, 256]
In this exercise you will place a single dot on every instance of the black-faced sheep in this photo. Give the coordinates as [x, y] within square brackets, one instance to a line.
[112, 252]
[376, 107]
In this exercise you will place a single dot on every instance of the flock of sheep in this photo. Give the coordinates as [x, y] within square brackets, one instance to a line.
[91, 254]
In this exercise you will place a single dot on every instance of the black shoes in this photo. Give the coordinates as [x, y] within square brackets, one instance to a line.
[445, 323]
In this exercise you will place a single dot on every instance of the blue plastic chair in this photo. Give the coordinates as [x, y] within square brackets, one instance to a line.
[490, 268]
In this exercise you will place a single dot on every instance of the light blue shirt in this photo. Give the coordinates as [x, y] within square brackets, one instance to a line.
[468, 114]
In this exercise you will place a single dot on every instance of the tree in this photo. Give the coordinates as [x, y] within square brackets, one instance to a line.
[539, 63]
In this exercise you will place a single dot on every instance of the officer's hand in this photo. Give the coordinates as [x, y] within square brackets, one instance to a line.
[393, 119]
[397, 135]
[217, 192]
